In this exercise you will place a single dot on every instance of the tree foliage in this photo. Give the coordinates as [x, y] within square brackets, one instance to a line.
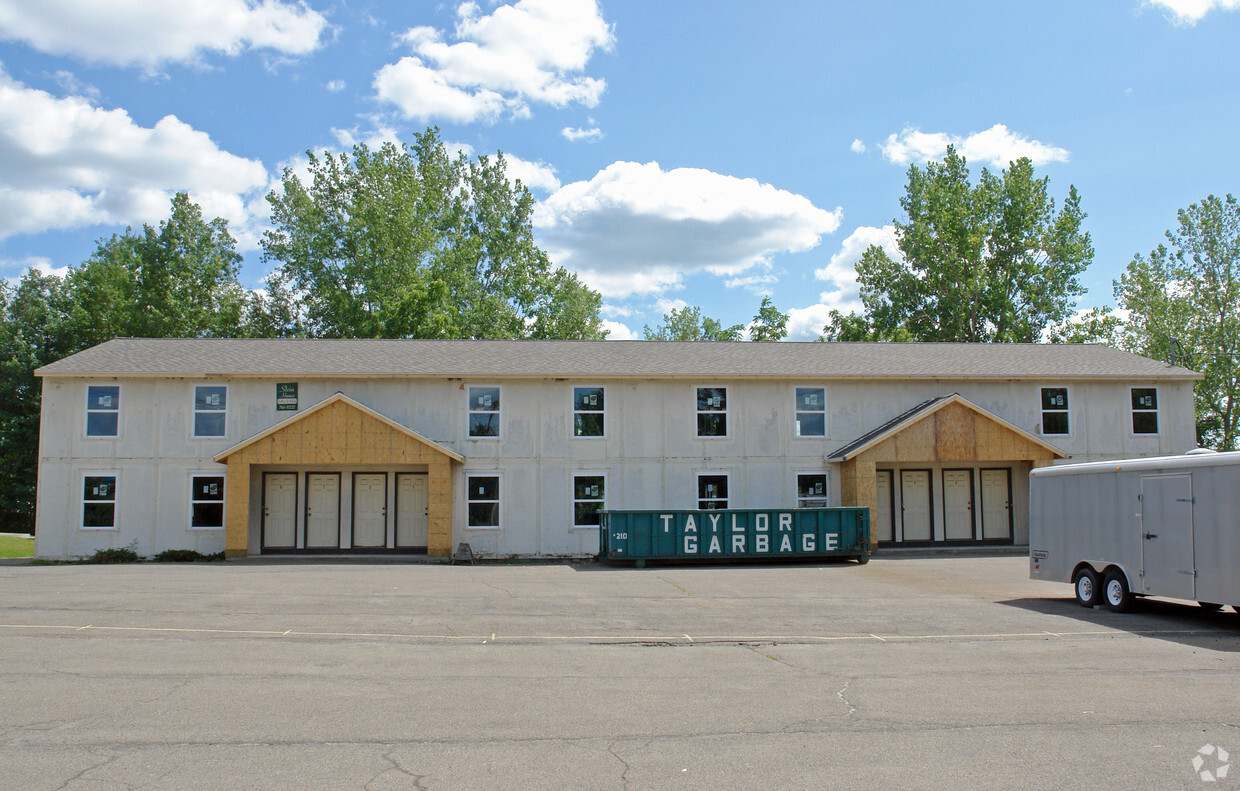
[770, 324]
[1183, 303]
[987, 262]
[407, 242]
[688, 324]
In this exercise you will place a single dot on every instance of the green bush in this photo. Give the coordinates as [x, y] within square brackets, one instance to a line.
[185, 556]
[114, 555]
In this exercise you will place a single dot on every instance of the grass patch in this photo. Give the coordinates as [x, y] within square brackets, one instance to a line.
[16, 547]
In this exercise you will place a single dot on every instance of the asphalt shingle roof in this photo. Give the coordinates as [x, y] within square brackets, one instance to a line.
[197, 357]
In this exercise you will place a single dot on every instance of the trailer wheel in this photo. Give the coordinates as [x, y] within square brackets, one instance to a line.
[1086, 585]
[1115, 591]
[1210, 606]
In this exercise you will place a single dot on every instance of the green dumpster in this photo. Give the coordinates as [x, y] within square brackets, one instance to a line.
[743, 534]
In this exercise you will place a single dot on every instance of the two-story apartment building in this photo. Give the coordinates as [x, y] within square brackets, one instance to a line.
[282, 446]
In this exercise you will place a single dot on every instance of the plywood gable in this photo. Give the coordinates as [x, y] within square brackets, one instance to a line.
[957, 432]
[338, 431]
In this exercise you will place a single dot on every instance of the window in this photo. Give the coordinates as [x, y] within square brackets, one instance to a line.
[207, 501]
[1144, 410]
[1054, 410]
[210, 410]
[103, 410]
[99, 502]
[483, 496]
[811, 412]
[812, 490]
[589, 495]
[588, 412]
[484, 411]
[712, 411]
[712, 492]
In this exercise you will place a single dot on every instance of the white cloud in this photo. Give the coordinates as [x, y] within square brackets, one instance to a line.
[997, 146]
[857, 146]
[335, 86]
[1189, 12]
[71, 164]
[614, 311]
[530, 51]
[34, 262]
[151, 32]
[666, 306]
[574, 134]
[618, 332]
[758, 284]
[637, 229]
[534, 175]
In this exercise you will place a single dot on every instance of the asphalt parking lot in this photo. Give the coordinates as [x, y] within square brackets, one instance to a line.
[910, 673]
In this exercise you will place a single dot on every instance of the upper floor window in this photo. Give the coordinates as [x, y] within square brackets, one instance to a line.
[103, 410]
[712, 411]
[1055, 410]
[1144, 410]
[210, 410]
[588, 412]
[812, 490]
[207, 501]
[99, 502]
[484, 412]
[811, 412]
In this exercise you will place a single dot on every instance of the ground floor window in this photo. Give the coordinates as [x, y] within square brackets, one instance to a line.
[207, 502]
[712, 491]
[812, 490]
[589, 496]
[99, 502]
[482, 494]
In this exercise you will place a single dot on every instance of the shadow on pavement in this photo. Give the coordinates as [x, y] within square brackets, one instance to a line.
[1178, 622]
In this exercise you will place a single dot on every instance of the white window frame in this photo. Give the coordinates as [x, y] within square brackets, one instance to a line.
[725, 411]
[470, 411]
[1133, 412]
[499, 499]
[1067, 410]
[602, 412]
[697, 487]
[197, 411]
[119, 399]
[575, 500]
[826, 486]
[116, 506]
[193, 490]
[797, 412]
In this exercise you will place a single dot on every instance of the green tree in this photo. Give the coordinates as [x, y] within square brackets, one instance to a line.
[687, 324]
[1183, 303]
[857, 327]
[35, 329]
[406, 242]
[1096, 325]
[770, 324]
[991, 262]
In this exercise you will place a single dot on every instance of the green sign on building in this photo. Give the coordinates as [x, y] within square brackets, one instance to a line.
[286, 397]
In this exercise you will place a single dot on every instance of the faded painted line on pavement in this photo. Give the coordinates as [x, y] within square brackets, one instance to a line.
[626, 639]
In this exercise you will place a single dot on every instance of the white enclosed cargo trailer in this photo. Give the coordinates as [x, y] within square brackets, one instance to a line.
[1161, 526]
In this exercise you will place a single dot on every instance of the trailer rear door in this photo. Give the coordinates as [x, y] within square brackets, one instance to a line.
[1167, 533]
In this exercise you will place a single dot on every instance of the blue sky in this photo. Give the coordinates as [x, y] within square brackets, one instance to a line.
[698, 152]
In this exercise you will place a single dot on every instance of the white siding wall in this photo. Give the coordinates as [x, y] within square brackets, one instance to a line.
[650, 453]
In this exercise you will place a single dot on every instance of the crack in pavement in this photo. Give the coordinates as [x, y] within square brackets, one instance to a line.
[396, 766]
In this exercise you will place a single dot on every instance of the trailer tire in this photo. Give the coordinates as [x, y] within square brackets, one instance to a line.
[1087, 587]
[1115, 593]
[1210, 606]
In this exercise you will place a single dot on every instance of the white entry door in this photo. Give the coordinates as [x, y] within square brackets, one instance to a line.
[958, 505]
[279, 510]
[915, 505]
[996, 505]
[370, 509]
[411, 515]
[884, 528]
[322, 510]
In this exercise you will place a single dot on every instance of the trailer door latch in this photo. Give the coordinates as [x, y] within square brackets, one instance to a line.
[1148, 536]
